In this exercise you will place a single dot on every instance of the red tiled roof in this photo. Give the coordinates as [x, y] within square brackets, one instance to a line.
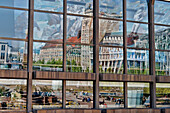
[70, 39]
[74, 39]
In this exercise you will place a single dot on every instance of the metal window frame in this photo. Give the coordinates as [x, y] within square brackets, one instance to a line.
[30, 74]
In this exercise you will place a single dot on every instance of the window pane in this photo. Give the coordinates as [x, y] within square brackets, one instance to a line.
[162, 63]
[13, 55]
[49, 5]
[48, 27]
[137, 35]
[137, 10]
[47, 57]
[84, 7]
[79, 94]
[79, 58]
[14, 3]
[111, 60]
[79, 29]
[138, 95]
[47, 94]
[138, 61]
[111, 32]
[13, 23]
[13, 94]
[162, 37]
[162, 95]
[161, 12]
[111, 8]
[111, 95]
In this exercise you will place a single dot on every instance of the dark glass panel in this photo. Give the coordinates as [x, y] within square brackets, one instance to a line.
[47, 56]
[79, 58]
[111, 60]
[47, 94]
[138, 95]
[111, 95]
[79, 94]
[138, 61]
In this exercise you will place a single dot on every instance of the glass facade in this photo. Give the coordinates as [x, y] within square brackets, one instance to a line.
[162, 95]
[62, 46]
[79, 94]
[47, 56]
[13, 54]
[115, 62]
[46, 94]
[138, 61]
[48, 27]
[137, 10]
[13, 94]
[111, 8]
[138, 95]
[111, 95]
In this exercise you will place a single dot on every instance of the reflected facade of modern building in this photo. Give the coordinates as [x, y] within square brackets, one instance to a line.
[88, 54]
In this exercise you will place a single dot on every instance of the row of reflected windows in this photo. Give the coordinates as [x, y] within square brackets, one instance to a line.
[49, 57]
[79, 94]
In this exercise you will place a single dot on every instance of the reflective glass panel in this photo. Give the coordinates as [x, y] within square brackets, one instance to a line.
[84, 7]
[161, 12]
[13, 55]
[79, 58]
[47, 94]
[162, 95]
[138, 61]
[49, 5]
[13, 23]
[162, 37]
[111, 8]
[111, 95]
[137, 10]
[137, 35]
[48, 27]
[111, 32]
[79, 29]
[138, 95]
[47, 56]
[162, 63]
[14, 3]
[111, 60]
[79, 94]
[13, 94]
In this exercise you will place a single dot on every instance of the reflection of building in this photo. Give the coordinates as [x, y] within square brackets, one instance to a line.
[5, 51]
[162, 39]
[51, 51]
[112, 38]
[111, 58]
